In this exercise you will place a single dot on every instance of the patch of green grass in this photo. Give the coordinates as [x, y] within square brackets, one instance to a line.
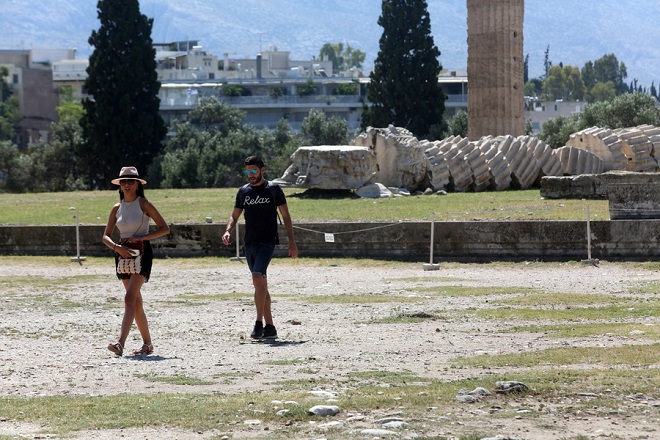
[231, 377]
[574, 314]
[51, 261]
[190, 296]
[651, 332]
[172, 264]
[400, 317]
[307, 370]
[473, 291]
[289, 361]
[345, 262]
[366, 298]
[563, 299]
[175, 380]
[372, 393]
[648, 287]
[611, 384]
[194, 205]
[50, 302]
[206, 262]
[389, 377]
[424, 279]
[652, 266]
[633, 355]
[473, 436]
[15, 283]
[20, 332]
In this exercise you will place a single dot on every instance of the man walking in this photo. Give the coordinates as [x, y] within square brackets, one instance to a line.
[260, 200]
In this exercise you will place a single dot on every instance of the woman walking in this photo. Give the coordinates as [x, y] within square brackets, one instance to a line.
[131, 216]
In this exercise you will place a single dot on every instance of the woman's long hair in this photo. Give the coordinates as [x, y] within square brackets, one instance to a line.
[139, 192]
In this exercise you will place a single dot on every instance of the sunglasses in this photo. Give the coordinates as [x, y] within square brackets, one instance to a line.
[247, 172]
[125, 181]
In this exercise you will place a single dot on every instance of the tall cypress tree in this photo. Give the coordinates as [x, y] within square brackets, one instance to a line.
[404, 88]
[121, 124]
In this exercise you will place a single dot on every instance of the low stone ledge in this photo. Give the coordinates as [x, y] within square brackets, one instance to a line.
[584, 186]
[404, 241]
[633, 195]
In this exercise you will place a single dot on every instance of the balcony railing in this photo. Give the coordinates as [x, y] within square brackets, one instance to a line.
[183, 100]
[179, 100]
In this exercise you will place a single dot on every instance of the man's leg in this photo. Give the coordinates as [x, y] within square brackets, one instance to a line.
[261, 259]
[262, 297]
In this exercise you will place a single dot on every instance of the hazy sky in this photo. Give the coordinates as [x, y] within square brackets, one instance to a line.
[576, 31]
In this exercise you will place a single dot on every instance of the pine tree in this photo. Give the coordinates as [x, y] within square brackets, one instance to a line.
[526, 69]
[121, 124]
[547, 64]
[404, 88]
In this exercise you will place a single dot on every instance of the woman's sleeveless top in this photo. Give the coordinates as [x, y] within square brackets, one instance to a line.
[131, 221]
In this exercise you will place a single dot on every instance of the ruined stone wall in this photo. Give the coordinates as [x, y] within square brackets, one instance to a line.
[495, 68]
[453, 241]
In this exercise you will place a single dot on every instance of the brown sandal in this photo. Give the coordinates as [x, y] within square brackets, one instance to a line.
[117, 348]
[145, 349]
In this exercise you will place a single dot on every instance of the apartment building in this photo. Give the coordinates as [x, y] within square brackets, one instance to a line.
[538, 112]
[268, 87]
[30, 78]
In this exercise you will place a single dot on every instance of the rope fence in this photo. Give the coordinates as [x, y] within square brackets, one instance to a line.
[329, 238]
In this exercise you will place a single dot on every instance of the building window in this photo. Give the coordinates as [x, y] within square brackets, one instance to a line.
[14, 79]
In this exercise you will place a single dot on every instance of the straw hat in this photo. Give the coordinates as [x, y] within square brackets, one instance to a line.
[129, 173]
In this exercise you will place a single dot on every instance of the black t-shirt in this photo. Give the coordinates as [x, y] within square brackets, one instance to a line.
[260, 211]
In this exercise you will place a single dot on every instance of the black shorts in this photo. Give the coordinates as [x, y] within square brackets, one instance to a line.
[147, 260]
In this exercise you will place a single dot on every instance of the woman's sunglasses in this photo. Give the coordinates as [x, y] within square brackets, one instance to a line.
[125, 181]
[247, 172]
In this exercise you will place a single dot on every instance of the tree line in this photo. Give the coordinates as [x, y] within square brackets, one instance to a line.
[599, 80]
[610, 101]
[119, 123]
[205, 151]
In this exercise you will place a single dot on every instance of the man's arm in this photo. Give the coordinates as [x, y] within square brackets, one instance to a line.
[288, 224]
[233, 218]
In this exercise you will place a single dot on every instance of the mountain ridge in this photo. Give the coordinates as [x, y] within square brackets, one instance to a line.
[575, 32]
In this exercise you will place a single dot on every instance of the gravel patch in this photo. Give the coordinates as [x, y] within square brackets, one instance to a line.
[53, 336]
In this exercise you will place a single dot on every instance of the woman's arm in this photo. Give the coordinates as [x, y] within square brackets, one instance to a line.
[109, 229]
[162, 226]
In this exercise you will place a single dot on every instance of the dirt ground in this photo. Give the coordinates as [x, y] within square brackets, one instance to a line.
[50, 346]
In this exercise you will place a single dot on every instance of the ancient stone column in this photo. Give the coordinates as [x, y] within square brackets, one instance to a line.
[495, 68]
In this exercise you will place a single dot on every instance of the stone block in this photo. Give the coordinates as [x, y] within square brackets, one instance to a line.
[584, 186]
[633, 195]
[331, 167]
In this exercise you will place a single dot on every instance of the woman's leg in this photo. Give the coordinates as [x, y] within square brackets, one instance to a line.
[141, 320]
[132, 286]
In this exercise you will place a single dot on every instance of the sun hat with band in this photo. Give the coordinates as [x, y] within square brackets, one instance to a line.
[128, 173]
